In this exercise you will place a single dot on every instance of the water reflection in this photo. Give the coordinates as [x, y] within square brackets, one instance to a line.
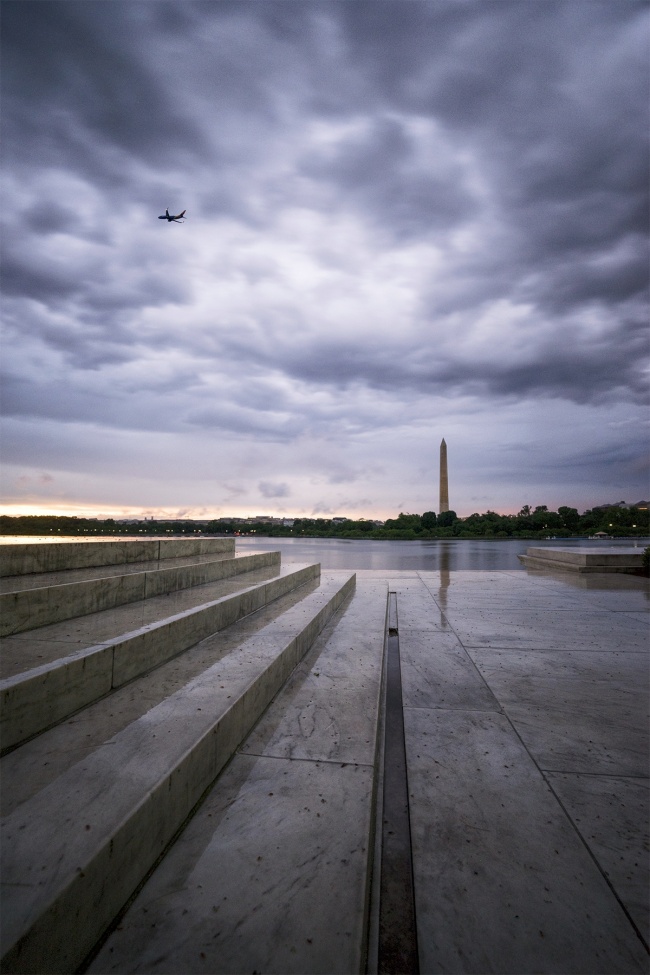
[445, 577]
[445, 555]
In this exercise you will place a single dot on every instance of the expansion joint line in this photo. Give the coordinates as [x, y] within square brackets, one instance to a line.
[398, 946]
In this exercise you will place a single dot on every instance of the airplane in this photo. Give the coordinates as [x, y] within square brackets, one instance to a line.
[169, 217]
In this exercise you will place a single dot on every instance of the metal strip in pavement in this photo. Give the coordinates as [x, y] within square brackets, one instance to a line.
[398, 946]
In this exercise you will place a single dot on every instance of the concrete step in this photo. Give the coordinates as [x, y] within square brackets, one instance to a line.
[76, 851]
[273, 872]
[41, 696]
[32, 648]
[585, 560]
[37, 580]
[27, 609]
[42, 759]
[23, 558]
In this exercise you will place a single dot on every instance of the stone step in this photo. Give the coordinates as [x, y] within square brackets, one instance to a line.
[30, 608]
[23, 558]
[32, 648]
[37, 580]
[37, 762]
[41, 696]
[76, 851]
[585, 560]
[273, 872]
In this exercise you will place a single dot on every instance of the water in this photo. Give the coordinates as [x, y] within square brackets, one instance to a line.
[446, 554]
[340, 553]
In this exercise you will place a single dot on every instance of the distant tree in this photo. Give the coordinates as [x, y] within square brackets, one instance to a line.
[446, 519]
[539, 518]
[429, 520]
[589, 520]
[404, 522]
[639, 521]
[570, 517]
[615, 521]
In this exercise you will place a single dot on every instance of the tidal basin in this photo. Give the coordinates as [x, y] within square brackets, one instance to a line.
[447, 554]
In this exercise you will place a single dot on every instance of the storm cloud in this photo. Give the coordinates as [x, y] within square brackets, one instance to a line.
[404, 221]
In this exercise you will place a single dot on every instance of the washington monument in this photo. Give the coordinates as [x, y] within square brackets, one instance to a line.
[444, 482]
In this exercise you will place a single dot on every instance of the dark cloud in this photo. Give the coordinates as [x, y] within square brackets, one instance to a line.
[551, 97]
[270, 490]
[51, 218]
[377, 171]
[22, 279]
[87, 88]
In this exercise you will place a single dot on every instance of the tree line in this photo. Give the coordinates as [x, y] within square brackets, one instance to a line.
[529, 522]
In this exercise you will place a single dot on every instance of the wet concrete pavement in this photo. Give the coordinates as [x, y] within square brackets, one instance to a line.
[525, 710]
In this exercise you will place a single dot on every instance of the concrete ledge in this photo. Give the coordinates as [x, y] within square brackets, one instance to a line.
[54, 556]
[28, 609]
[62, 887]
[583, 560]
[45, 695]
[589, 557]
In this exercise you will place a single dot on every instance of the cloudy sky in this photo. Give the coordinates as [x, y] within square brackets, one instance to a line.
[406, 220]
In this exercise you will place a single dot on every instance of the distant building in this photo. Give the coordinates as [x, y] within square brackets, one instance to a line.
[642, 505]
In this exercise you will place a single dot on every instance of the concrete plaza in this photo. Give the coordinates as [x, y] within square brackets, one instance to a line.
[525, 716]
[526, 725]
